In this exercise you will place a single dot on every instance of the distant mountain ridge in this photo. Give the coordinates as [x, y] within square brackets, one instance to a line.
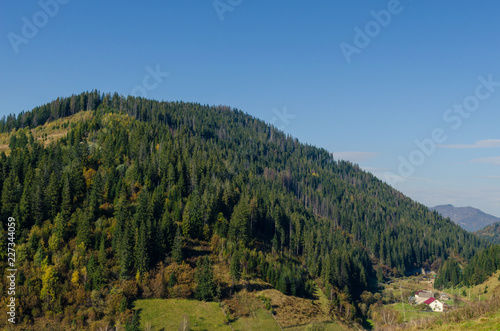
[469, 218]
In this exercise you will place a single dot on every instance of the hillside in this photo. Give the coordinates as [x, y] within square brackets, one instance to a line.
[479, 309]
[490, 233]
[141, 199]
[471, 219]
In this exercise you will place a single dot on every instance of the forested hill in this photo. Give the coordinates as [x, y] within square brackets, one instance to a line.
[490, 233]
[110, 203]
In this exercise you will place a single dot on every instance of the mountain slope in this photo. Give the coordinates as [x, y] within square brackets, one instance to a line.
[146, 199]
[469, 218]
[490, 233]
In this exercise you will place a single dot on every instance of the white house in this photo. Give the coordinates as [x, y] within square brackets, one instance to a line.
[434, 304]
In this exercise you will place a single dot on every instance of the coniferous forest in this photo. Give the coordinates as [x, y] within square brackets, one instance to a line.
[108, 213]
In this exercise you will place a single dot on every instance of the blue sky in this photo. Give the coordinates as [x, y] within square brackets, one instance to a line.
[364, 80]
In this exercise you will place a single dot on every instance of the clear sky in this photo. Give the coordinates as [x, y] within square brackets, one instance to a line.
[364, 80]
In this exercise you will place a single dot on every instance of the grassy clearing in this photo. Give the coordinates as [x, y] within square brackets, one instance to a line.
[247, 312]
[168, 314]
[485, 290]
[292, 311]
[48, 132]
[325, 326]
[258, 320]
[247, 309]
[410, 312]
[323, 302]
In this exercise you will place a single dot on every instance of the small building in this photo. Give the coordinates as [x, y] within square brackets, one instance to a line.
[434, 304]
[421, 296]
[412, 300]
[444, 296]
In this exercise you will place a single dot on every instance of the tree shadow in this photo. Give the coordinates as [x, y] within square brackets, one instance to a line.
[252, 287]
[192, 255]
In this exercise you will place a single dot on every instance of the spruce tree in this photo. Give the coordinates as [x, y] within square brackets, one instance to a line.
[91, 270]
[239, 223]
[26, 203]
[100, 275]
[234, 267]
[204, 278]
[126, 250]
[11, 194]
[95, 196]
[143, 220]
[38, 207]
[66, 200]
[141, 249]
[52, 194]
[177, 247]
[59, 227]
[83, 229]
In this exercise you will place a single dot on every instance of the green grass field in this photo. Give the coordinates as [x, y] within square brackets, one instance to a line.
[410, 312]
[259, 320]
[169, 314]
[326, 326]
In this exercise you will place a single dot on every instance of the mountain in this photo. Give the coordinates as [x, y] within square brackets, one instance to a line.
[121, 198]
[490, 233]
[471, 219]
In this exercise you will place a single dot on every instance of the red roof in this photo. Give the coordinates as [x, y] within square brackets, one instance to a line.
[429, 301]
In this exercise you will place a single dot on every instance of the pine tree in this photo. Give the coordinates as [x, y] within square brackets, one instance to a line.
[66, 203]
[102, 256]
[59, 228]
[52, 194]
[192, 219]
[77, 182]
[83, 229]
[122, 214]
[141, 249]
[177, 247]
[239, 223]
[134, 324]
[143, 245]
[126, 250]
[100, 274]
[26, 203]
[11, 194]
[204, 278]
[95, 196]
[234, 267]
[167, 230]
[38, 206]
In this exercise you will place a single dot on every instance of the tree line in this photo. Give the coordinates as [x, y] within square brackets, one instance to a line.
[476, 271]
